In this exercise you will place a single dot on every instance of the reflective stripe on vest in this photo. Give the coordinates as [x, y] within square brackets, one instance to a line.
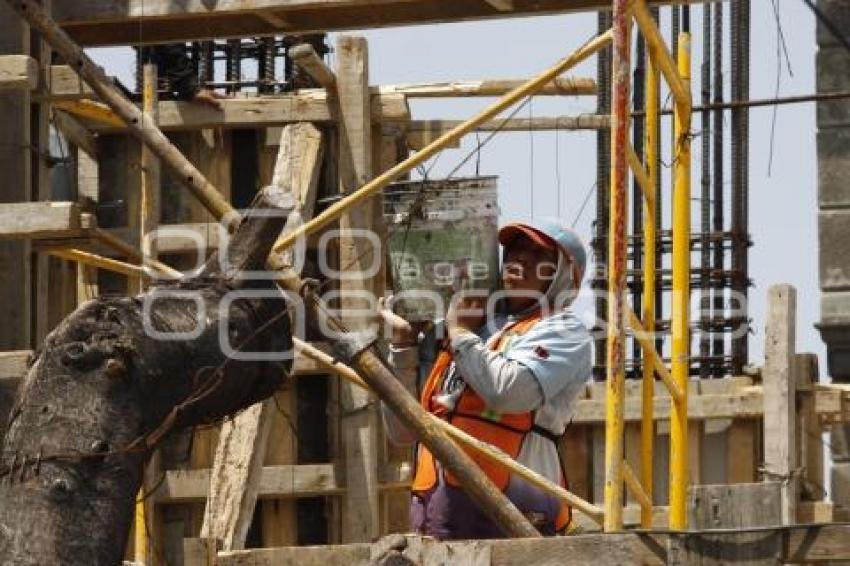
[505, 431]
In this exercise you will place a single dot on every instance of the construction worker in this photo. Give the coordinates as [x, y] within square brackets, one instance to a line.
[509, 378]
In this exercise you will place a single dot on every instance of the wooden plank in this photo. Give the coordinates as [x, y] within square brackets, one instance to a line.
[783, 545]
[30, 220]
[809, 432]
[744, 403]
[780, 447]
[16, 165]
[233, 488]
[310, 105]
[741, 452]
[275, 482]
[359, 419]
[422, 132]
[730, 506]
[18, 72]
[75, 132]
[66, 84]
[279, 517]
[105, 22]
[349, 554]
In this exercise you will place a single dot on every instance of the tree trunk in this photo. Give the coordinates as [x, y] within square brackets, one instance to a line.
[107, 386]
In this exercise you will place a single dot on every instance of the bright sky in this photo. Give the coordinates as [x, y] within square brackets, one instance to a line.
[544, 173]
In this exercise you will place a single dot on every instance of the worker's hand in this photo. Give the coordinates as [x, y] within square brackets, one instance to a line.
[208, 97]
[402, 332]
[466, 313]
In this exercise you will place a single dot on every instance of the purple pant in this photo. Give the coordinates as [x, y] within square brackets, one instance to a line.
[448, 513]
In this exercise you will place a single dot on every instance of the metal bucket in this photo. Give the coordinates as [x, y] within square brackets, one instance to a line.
[442, 238]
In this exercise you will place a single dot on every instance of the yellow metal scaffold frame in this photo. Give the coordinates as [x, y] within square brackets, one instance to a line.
[677, 75]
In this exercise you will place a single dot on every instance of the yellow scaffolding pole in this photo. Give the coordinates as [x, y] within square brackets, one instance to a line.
[681, 299]
[650, 145]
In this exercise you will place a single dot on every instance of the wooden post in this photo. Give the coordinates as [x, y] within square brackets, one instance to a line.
[358, 421]
[15, 164]
[149, 209]
[780, 447]
[810, 446]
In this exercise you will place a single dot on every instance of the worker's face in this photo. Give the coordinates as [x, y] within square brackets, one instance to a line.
[527, 271]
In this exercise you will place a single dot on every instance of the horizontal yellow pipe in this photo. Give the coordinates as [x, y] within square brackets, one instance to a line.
[337, 209]
[649, 349]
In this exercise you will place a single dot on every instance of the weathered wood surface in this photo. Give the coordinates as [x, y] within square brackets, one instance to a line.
[359, 418]
[779, 545]
[18, 72]
[311, 105]
[105, 22]
[283, 481]
[40, 220]
[780, 386]
[727, 506]
[103, 392]
[233, 485]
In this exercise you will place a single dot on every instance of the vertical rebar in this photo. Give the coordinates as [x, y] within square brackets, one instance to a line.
[737, 174]
[705, 197]
[718, 349]
[603, 176]
[638, 244]
[266, 64]
[234, 65]
[206, 68]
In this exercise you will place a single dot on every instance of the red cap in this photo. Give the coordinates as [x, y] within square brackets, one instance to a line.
[509, 232]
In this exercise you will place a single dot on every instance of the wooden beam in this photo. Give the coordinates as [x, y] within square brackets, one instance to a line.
[305, 56]
[422, 132]
[65, 84]
[359, 418]
[275, 482]
[780, 408]
[32, 220]
[18, 72]
[311, 105]
[234, 481]
[75, 133]
[561, 86]
[802, 544]
[105, 22]
[16, 164]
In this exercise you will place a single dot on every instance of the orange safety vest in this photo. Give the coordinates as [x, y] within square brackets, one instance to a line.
[471, 415]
